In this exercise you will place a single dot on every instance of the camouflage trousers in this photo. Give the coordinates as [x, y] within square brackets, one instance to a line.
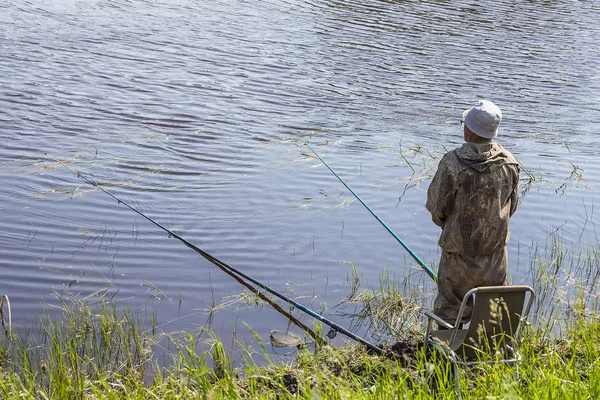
[457, 274]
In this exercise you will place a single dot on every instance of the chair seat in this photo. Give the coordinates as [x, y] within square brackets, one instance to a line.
[443, 336]
[465, 351]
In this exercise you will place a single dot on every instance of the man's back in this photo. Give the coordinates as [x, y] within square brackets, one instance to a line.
[472, 197]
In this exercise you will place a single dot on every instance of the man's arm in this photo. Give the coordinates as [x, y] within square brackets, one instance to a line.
[440, 195]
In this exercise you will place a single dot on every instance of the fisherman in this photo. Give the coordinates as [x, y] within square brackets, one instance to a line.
[472, 197]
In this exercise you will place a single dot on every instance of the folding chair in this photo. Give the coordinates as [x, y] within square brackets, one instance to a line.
[492, 334]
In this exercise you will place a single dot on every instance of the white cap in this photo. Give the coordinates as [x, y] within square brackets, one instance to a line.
[483, 119]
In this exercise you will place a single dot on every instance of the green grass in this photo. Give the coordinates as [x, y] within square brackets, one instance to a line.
[100, 351]
[103, 353]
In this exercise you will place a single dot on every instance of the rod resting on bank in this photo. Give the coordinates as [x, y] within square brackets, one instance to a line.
[335, 328]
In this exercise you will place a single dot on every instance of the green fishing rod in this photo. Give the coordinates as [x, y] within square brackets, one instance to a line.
[335, 328]
[428, 270]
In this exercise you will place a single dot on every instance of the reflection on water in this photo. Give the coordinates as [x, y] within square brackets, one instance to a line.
[196, 114]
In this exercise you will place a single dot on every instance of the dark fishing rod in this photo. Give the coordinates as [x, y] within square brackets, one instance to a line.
[335, 328]
[428, 270]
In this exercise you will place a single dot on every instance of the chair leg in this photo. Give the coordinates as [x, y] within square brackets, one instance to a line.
[427, 331]
[456, 378]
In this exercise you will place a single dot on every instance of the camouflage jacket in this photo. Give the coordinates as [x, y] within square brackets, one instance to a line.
[472, 196]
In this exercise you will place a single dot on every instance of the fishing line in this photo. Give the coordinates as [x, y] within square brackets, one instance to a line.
[335, 328]
[428, 270]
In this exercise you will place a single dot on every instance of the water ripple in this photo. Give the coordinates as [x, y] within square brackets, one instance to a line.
[196, 113]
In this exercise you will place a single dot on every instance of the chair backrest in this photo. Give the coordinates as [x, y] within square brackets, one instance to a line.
[497, 313]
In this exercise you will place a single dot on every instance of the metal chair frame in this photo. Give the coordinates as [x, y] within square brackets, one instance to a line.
[456, 342]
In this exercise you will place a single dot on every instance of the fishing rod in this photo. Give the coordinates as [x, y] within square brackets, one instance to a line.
[428, 270]
[335, 328]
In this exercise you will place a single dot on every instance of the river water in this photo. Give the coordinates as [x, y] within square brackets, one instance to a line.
[197, 112]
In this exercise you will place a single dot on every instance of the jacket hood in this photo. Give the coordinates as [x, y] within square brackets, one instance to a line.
[481, 156]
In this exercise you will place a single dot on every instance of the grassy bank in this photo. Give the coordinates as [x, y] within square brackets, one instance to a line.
[101, 352]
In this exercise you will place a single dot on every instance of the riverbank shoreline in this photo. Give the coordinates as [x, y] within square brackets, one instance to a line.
[102, 351]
